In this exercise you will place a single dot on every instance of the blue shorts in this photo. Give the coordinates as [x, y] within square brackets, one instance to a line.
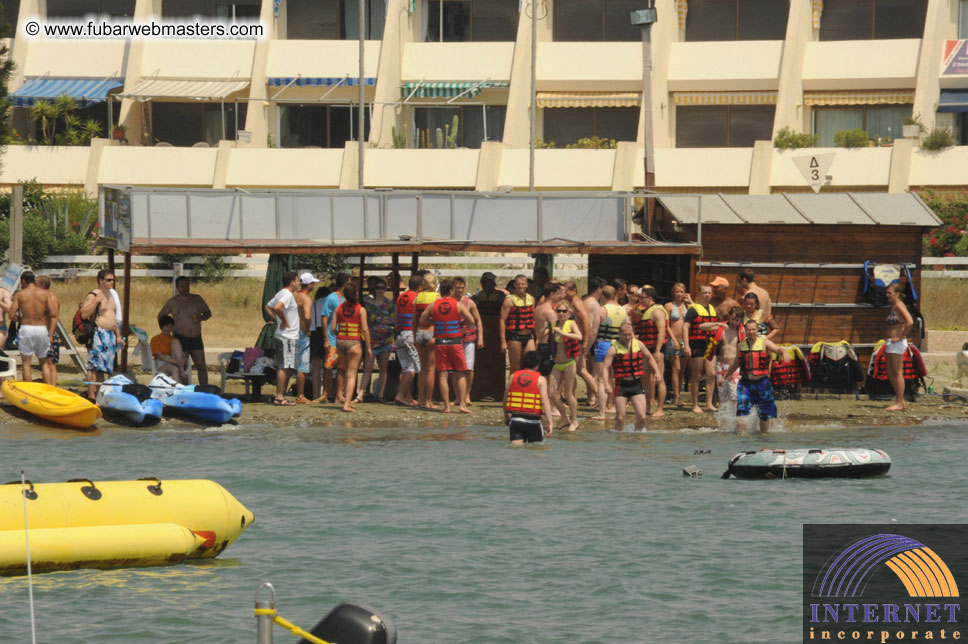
[758, 392]
[601, 348]
[104, 346]
[302, 353]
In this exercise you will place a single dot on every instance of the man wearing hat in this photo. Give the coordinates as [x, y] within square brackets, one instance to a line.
[305, 306]
[721, 300]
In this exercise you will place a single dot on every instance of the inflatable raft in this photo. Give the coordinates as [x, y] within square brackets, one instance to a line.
[112, 524]
[51, 403]
[120, 396]
[809, 463]
[189, 401]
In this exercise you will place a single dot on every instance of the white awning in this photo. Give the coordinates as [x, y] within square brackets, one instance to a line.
[198, 90]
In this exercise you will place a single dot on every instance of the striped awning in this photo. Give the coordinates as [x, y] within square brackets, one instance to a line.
[724, 98]
[589, 99]
[86, 91]
[816, 9]
[327, 81]
[954, 100]
[199, 90]
[682, 10]
[447, 89]
[874, 97]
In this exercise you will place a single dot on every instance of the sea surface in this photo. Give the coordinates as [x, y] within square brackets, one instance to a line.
[457, 537]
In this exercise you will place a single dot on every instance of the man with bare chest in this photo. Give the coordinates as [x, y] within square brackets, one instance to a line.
[99, 305]
[37, 323]
[189, 311]
[544, 320]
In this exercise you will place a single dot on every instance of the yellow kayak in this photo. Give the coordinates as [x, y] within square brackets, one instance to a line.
[52, 403]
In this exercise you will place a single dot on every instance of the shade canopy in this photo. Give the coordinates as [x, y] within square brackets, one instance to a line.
[199, 90]
[953, 100]
[447, 89]
[324, 81]
[589, 99]
[86, 91]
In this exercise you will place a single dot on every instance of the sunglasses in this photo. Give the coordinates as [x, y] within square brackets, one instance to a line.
[108, 279]
[562, 310]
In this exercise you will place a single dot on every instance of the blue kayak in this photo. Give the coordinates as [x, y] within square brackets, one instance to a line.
[120, 396]
[190, 401]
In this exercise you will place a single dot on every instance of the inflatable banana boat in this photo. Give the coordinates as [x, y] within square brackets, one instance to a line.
[51, 403]
[116, 524]
[809, 463]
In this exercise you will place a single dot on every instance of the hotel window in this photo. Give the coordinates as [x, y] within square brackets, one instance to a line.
[471, 130]
[11, 9]
[80, 8]
[322, 126]
[962, 19]
[595, 20]
[185, 124]
[333, 19]
[471, 20]
[962, 128]
[221, 9]
[737, 20]
[723, 126]
[871, 19]
[882, 121]
[565, 125]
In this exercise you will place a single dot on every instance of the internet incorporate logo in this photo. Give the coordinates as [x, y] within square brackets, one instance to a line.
[909, 591]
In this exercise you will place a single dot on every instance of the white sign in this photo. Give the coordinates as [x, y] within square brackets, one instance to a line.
[814, 168]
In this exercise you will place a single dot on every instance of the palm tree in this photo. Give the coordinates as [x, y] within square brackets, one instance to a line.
[46, 114]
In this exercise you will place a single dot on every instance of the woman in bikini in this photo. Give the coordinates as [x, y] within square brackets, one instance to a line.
[567, 346]
[765, 326]
[899, 323]
[352, 335]
[676, 310]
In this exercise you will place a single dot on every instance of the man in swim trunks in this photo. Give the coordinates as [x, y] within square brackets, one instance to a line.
[517, 322]
[473, 334]
[625, 360]
[53, 354]
[721, 299]
[447, 316]
[655, 325]
[526, 402]
[544, 320]
[753, 362]
[592, 302]
[305, 304]
[330, 354]
[5, 300]
[107, 338]
[283, 309]
[37, 323]
[608, 320]
[407, 354]
[696, 341]
[189, 311]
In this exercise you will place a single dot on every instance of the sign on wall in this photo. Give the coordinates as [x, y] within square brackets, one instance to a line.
[116, 219]
[955, 61]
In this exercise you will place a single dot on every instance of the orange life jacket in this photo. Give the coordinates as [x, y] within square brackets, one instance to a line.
[405, 311]
[523, 394]
[348, 322]
[446, 319]
[755, 360]
[706, 314]
[468, 331]
[521, 316]
[650, 331]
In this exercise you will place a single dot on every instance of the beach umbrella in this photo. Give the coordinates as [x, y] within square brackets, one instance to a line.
[278, 264]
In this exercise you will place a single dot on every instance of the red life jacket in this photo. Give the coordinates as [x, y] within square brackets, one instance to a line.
[446, 319]
[755, 360]
[650, 331]
[573, 347]
[521, 316]
[468, 331]
[405, 311]
[786, 373]
[627, 362]
[706, 314]
[523, 394]
[638, 322]
[348, 322]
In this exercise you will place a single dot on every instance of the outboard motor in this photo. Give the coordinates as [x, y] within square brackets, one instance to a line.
[350, 623]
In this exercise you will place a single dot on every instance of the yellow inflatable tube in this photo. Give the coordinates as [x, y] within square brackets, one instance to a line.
[117, 523]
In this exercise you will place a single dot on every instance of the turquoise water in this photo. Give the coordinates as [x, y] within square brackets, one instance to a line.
[458, 537]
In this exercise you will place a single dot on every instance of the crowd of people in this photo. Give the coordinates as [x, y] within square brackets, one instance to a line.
[619, 338]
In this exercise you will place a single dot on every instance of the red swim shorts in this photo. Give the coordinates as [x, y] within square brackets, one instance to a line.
[450, 357]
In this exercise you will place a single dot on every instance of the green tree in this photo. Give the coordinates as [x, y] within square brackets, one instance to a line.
[948, 239]
[6, 71]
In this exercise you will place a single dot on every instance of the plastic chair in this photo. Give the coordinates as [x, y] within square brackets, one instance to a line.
[9, 369]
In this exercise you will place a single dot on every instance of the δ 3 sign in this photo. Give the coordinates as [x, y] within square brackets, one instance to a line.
[814, 168]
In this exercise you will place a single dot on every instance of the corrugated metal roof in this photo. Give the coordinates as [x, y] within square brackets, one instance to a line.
[857, 208]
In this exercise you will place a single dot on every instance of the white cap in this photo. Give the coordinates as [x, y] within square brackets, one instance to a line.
[307, 278]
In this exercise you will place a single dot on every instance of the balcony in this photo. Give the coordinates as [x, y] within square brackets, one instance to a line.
[718, 66]
[861, 64]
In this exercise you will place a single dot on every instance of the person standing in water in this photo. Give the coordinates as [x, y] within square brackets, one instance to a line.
[899, 323]
[753, 361]
[696, 342]
[626, 360]
[526, 403]
[567, 345]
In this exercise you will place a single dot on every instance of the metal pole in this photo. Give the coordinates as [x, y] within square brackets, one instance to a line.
[534, 58]
[396, 275]
[360, 108]
[647, 110]
[126, 310]
[17, 225]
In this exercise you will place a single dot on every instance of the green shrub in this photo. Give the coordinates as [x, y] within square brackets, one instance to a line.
[951, 237]
[55, 223]
[939, 138]
[592, 143]
[213, 268]
[851, 139]
[787, 139]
